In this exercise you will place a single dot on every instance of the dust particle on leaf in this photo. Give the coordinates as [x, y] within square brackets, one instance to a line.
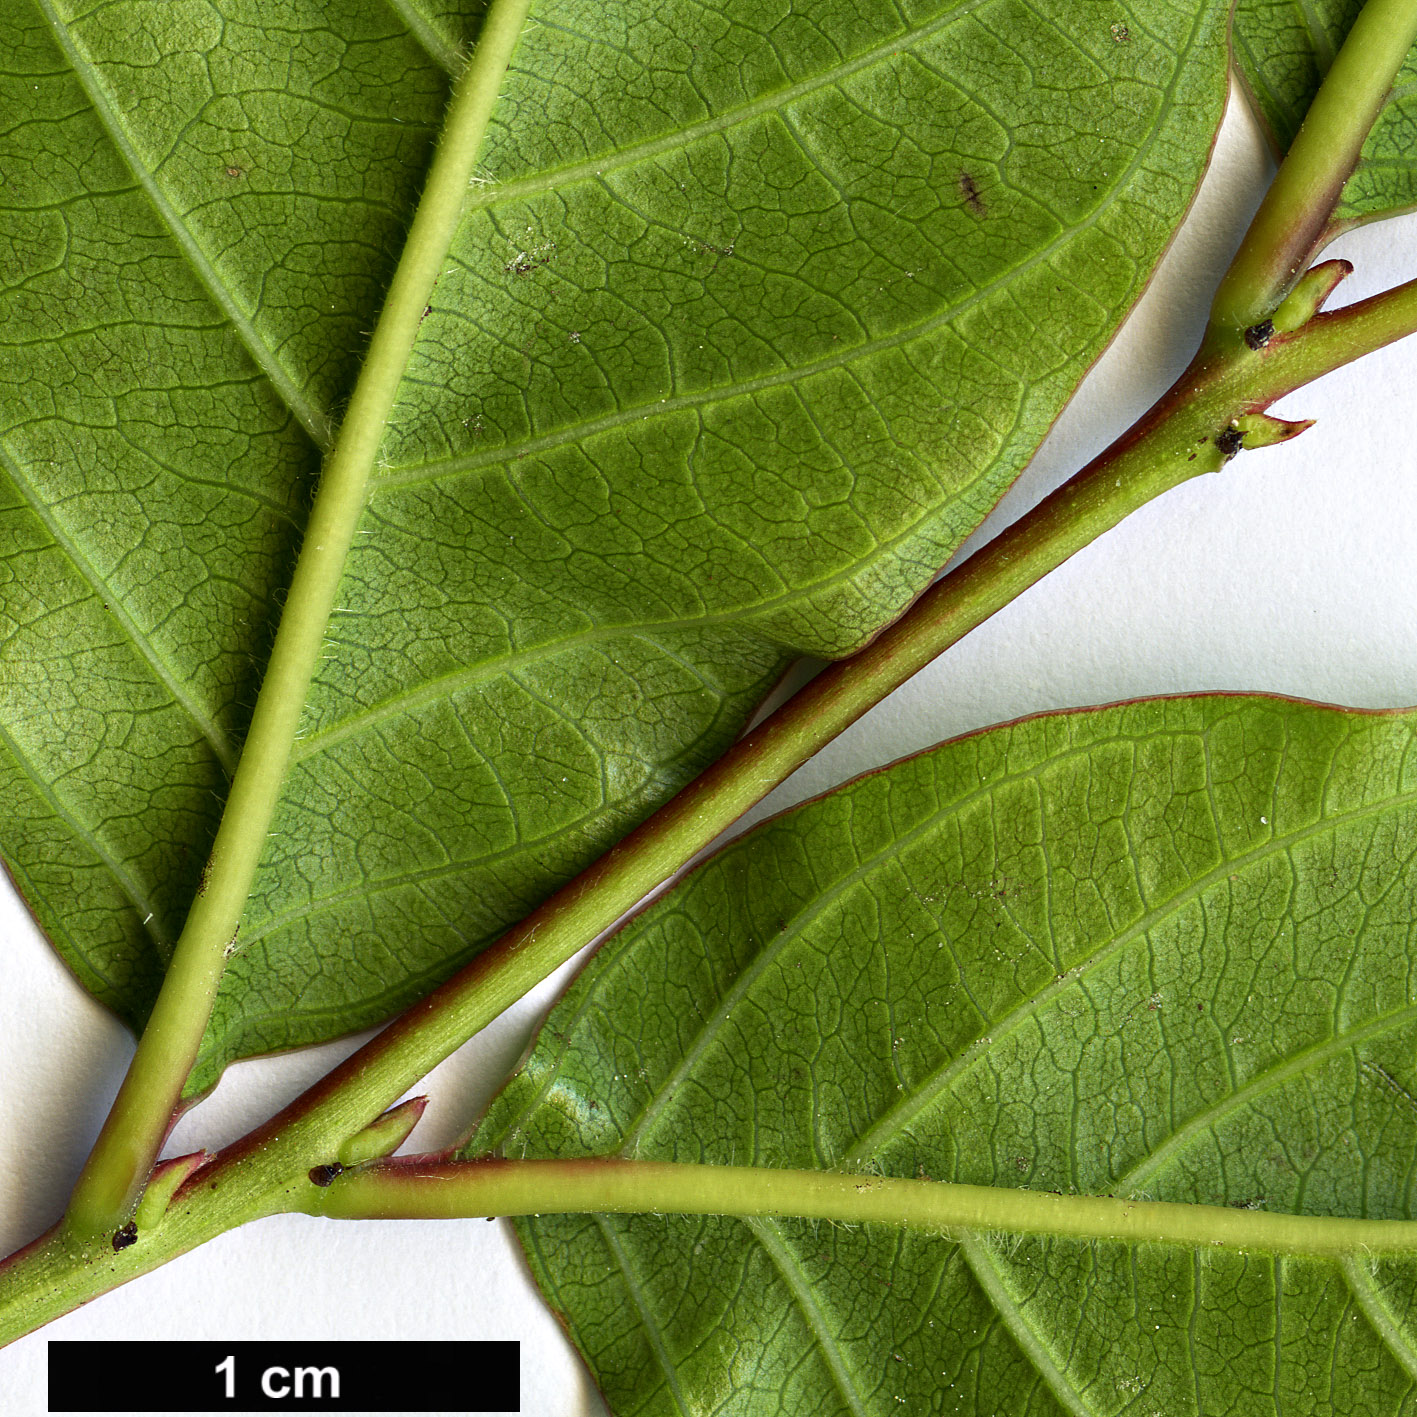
[708, 248]
[1120, 33]
[525, 262]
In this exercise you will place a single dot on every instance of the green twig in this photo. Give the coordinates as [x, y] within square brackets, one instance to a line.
[127, 1146]
[1293, 222]
[1335, 338]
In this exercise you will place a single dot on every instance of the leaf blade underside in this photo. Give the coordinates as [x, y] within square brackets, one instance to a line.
[1283, 49]
[1162, 950]
[755, 319]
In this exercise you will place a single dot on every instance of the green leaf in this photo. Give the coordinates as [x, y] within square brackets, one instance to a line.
[1284, 48]
[1161, 950]
[757, 314]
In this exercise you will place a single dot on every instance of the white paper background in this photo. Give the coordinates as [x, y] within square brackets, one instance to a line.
[1293, 572]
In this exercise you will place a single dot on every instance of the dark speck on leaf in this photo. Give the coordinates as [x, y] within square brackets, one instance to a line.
[323, 1175]
[124, 1236]
[969, 190]
[1121, 33]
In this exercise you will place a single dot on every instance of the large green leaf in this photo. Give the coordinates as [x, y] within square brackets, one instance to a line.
[1164, 950]
[760, 308]
[1284, 48]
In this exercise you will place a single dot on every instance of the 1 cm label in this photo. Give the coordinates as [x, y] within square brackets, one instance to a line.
[278, 1383]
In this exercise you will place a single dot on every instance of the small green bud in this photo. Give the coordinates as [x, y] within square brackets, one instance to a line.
[1308, 296]
[384, 1134]
[1260, 430]
[163, 1185]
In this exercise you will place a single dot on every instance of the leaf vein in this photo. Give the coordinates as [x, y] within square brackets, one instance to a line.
[312, 419]
[418, 474]
[1380, 1318]
[892, 1122]
[219, 743]
[986, 1273]
[770, 1238]
[145, 910]
[651, 1328]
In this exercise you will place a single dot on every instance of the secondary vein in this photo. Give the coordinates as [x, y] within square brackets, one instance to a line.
[314, 420]
[112, 602]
